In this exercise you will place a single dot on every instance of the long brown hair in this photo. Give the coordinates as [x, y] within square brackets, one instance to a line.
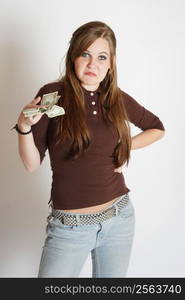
[72, 125]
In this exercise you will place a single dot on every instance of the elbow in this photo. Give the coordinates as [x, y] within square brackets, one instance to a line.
[162, 134]
[31, 169]
[33, 165]
[159, 133]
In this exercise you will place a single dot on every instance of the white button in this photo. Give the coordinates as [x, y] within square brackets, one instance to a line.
[94, 112]
[93, 103]
[92, 94]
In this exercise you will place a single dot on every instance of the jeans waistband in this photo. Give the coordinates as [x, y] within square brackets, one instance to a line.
[92, 218]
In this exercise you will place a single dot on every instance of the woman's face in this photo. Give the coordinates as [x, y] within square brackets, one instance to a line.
[93, 64]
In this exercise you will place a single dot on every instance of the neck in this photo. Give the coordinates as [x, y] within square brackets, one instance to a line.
[90, 87]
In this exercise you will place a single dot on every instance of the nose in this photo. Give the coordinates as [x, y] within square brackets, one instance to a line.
[91, 62]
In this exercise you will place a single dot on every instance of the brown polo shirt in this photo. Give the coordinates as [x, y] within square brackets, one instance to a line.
[89, 180]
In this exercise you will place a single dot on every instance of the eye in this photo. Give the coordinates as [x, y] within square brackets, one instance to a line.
[84, 54]
[103, 57]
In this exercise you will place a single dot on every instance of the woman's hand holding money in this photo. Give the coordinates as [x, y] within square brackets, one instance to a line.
[25, 122]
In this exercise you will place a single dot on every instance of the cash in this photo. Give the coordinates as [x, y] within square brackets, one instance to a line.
[51, 109]
[50, 99]
[55, 111]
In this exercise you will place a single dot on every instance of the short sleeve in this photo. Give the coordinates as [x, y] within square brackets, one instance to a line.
[40, 130]
[140, 116]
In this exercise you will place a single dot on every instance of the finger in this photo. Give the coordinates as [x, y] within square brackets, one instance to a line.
[37, 116]
[119, 170]
[32, 120]
[31, 105]
[36, 100]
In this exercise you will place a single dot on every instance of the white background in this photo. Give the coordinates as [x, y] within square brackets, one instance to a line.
[150, 60]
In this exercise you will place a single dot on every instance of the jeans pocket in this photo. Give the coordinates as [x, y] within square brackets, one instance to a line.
[55, 223]
[128, 211]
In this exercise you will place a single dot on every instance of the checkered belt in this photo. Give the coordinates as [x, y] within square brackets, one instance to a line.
[70, 219]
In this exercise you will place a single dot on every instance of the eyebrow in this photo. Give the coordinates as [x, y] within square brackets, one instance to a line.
[99, 52]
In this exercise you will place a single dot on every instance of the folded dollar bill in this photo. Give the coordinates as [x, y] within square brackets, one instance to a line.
[50, 99]
[55, 111]
[51, 109]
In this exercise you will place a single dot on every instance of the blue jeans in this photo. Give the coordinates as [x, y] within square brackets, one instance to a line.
[67, 247]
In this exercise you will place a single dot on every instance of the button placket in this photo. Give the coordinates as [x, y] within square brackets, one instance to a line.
[93, 103]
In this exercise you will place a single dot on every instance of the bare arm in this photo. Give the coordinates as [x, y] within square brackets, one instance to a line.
[27, 150]
[146, 138]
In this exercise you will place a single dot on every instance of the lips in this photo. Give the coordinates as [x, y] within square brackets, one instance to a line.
[90, 74]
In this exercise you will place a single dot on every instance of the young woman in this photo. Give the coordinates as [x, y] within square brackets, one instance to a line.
[91, 210]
